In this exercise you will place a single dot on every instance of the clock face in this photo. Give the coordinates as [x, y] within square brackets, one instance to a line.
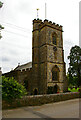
[55, 48]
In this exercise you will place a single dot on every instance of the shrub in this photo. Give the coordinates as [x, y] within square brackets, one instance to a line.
[11, 89]
[73, 89]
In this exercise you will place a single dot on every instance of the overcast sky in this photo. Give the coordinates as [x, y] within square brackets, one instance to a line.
[17, 15]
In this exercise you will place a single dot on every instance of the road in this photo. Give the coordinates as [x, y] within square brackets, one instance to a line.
[64, 109]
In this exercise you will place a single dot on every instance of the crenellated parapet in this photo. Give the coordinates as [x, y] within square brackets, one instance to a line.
[25, 74]
[37, 21]
[18, 74]
[24, 71]
[39, 24]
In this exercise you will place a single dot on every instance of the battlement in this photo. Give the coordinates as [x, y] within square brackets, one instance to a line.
[37, 20]
[47, 23]
[24, 70]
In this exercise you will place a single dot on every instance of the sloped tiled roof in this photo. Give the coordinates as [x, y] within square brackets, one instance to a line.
[24, 66]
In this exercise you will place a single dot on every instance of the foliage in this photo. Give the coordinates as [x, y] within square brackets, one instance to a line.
[73, 89]
[1, 27]
[74, 65]
[72, 81]
[1, 4]
[11, 89]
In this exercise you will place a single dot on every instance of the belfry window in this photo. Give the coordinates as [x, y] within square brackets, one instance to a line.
[54, 39]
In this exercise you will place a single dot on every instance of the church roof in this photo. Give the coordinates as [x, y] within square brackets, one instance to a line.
[24, 66]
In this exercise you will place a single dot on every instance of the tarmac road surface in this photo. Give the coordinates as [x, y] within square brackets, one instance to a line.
[64, 109]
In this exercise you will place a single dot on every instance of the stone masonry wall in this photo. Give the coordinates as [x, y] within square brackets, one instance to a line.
[39, 100]
[44, 56]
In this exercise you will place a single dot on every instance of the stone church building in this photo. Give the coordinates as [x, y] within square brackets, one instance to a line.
[47, 69]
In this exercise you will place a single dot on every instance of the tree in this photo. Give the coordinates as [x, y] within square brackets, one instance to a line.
[72, 81]
[11, 89]
[74, 69]
[0, 31]
[1, 4]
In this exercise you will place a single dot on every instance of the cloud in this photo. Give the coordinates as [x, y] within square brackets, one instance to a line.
[5, 59]
[25, 6]
[14, 52]
[17, 48]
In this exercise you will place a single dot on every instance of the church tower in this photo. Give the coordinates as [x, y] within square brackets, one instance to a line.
[47, 57]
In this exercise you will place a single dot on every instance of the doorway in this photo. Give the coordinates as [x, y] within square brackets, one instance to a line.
[35, 91]
[56, 88]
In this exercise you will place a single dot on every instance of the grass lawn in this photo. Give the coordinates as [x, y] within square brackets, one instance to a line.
[73, 90]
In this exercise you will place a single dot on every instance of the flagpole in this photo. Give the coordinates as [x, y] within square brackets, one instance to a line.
[45, 11]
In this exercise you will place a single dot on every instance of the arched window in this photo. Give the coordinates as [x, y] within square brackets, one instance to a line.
[54, 38]
[55, 73]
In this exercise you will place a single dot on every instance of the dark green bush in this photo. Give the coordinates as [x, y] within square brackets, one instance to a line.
[11, 89]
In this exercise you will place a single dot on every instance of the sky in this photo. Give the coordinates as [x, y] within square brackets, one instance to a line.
[16, 16]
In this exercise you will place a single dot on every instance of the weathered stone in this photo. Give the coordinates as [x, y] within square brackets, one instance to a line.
[47, 59]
